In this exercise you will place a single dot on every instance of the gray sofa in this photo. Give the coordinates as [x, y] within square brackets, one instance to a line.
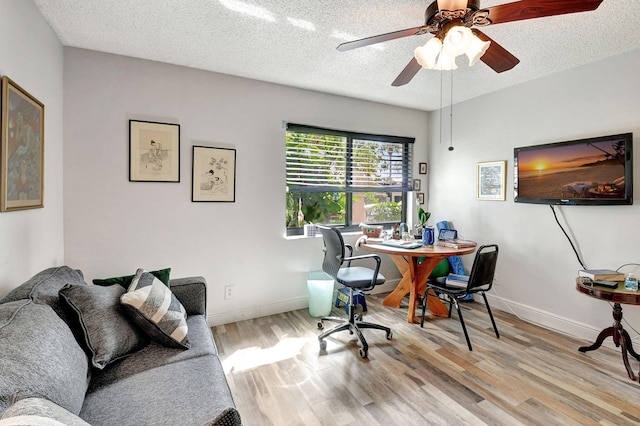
[51, 372]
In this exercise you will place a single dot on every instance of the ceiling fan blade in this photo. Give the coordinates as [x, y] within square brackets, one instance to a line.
[380, 38]
[496, 57]
[407, 73]
[529, 9]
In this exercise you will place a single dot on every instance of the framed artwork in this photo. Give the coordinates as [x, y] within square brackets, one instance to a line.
[491, 181]
[423, 168]
[154, 152]
[22, 149]
[416, 184]
[420, 197]
[213, 174]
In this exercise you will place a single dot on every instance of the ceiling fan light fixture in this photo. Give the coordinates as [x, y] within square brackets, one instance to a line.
[457, 40]
[427, 55]
[476, 49]
[446, 62]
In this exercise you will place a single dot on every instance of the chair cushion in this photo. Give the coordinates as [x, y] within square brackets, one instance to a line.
[156, 310]
[40, 361]
[125, 281]
[103, 324]
[358, 276]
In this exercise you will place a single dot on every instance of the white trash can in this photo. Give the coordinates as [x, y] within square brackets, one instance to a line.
[320, 286]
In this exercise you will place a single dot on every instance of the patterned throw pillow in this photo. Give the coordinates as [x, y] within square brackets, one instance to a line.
[155, 309]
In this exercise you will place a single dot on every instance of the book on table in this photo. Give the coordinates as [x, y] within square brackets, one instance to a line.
[411, 244]
[601, 274]
[456, 244]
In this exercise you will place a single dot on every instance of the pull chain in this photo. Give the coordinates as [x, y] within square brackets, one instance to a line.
[451, 116]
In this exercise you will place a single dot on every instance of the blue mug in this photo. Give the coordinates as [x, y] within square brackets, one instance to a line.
[428, 236]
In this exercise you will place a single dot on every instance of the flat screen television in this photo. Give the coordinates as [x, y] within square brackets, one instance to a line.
[593, 171]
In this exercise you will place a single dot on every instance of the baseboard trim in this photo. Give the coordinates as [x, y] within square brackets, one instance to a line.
[528, 313]
[294, 304]
[252, 312]
[548, 320]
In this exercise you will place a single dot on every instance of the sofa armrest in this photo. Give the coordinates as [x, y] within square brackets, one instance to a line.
[192, 293]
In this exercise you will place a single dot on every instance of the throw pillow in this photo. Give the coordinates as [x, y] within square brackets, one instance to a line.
[125, 281]
[102, 322]
[156, 310]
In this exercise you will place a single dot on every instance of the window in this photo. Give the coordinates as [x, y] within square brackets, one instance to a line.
[344, 178]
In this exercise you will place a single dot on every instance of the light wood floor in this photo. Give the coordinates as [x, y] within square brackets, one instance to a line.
[423, 376]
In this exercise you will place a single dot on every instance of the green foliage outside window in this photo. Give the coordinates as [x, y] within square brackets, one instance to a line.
[388, 211]
[317, 207]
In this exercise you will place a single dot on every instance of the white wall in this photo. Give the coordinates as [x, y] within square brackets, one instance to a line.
[113, 226]
[32, 56]
[537, 267]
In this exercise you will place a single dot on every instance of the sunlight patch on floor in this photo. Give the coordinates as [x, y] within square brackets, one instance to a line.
[248, 358]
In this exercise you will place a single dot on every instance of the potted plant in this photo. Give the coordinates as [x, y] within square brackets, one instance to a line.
[423, 217]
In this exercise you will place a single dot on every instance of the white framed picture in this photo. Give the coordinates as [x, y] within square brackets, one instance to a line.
[491, 180]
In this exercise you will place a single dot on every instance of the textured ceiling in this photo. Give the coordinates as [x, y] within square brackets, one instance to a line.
[293, 42]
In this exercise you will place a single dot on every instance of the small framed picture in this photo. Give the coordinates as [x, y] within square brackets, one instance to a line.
[423, 168]
[154, 152]
[416, 184]
[22, 149]
[213, 174]
[491, 181]
[420, 197]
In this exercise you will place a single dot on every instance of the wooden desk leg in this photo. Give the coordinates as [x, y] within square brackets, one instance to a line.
[620, 339]
[403, 288]
[420, 272]
[413, 283]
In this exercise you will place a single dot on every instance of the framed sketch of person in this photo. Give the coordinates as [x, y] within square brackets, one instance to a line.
[213, 174]
[22, 149]
[154, 152]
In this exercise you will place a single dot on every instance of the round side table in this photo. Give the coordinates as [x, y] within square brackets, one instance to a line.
[620, 337]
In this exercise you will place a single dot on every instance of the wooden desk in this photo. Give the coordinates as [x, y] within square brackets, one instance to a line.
[618, 334]
[415, 265]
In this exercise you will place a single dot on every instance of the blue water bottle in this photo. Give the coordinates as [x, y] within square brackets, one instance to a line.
[428, 236]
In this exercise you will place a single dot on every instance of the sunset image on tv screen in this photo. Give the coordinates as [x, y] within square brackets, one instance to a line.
[582, 170]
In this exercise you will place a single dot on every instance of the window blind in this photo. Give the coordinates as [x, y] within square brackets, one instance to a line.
[324, 160]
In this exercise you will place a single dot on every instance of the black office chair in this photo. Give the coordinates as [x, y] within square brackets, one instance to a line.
[352, 277]
[480, 281]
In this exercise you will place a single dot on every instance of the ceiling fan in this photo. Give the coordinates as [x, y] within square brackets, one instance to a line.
[450, 21]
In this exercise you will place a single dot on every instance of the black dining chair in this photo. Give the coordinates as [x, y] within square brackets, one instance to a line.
[361, 278]
[480, 281]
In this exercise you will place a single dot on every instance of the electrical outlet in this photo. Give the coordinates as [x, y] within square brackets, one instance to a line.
[228, 292]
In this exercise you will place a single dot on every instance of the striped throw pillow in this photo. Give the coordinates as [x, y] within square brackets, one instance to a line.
[155, 309]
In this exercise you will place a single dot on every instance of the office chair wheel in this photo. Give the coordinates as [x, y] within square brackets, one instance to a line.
[390, 335]
[320, 325]
[323, 345]
[362, 352]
